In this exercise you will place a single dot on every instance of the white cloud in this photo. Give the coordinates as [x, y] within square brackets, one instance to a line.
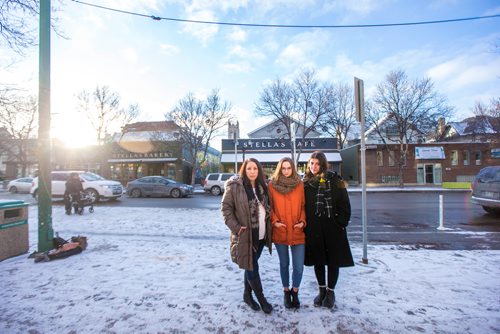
[252, 53]
[130, 55]
[203, 32]
[169, 49]
[303, 49]
[239, 67]
[237, 35]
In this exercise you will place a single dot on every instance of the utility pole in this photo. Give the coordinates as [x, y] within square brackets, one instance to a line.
[359, 98]
[45, 231]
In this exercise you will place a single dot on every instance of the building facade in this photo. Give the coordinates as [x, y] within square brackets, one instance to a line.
[268, 145]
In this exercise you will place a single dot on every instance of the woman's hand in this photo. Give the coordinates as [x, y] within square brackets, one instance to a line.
[280, 225]
[242, 228]
[299, 225]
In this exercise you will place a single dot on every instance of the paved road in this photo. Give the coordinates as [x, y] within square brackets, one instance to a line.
[398, 218]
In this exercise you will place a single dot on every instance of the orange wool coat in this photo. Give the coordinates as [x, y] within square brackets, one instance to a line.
[288, 209]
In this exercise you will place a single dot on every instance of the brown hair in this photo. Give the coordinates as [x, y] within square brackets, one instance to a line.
[323, 163]
[277, 171]
[260, 177]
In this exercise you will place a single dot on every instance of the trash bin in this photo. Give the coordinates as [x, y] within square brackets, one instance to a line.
[13, 228]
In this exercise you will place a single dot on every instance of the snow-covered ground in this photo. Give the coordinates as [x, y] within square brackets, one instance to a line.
[168, 271]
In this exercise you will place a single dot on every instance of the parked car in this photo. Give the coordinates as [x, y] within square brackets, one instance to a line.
[22, 185]
[486, 189]
[95, 185]
[214, 182]
[158, 186]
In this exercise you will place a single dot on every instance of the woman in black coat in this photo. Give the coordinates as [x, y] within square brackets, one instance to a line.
[328, 211]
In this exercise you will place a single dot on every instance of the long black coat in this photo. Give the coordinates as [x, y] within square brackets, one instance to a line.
[326, 238]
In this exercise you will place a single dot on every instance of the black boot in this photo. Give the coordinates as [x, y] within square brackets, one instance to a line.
[256, 285]
[295, 298]
[319, 298]
[248, 299]
[287, 299]
[329, 300]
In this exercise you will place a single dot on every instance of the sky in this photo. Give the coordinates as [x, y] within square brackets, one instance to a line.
[159, 270]
[156, 63]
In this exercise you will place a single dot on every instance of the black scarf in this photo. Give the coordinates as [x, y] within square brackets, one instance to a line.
[323, 195]
[253, 203]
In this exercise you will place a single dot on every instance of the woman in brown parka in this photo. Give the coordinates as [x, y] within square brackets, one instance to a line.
[246, 210]
[288, 217]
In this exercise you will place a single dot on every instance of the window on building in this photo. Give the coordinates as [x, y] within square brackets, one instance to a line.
[477, 157]
[466, 158]
[454, 158]
[391, 159]
[380, 158]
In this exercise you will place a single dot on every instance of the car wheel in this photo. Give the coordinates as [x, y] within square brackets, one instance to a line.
[13, 189]
[93, 194]
[215, 191]
[135, 193]
[491, 210]
[175, 193]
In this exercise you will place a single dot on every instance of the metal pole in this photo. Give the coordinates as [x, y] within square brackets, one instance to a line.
[360, 109]
[235, 154]
[45, 231]
[292, 142]
[441, 221]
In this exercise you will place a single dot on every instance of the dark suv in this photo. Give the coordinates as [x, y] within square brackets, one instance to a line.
[486, 189]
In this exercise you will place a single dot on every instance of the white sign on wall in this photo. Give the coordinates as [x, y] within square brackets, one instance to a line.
[430, 152]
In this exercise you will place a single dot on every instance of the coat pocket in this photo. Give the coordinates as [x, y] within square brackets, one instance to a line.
[233, 247]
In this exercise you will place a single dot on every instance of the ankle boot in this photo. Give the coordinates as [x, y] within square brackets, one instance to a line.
[256, 285]
[287, 298]
[319, 298]
[329, 300]
[247, 297]
[295, 298]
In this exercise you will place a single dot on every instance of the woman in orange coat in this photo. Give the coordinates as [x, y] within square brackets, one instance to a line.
[288, 217]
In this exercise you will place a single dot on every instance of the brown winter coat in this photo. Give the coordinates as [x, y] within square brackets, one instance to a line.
[288, 209]
[236, 212]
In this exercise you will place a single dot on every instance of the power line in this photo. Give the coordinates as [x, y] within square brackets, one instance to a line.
[158, 18]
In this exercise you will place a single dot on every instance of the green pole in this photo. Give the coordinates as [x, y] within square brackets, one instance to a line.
[45, 231]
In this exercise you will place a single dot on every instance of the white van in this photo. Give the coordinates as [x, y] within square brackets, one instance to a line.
[95, 185]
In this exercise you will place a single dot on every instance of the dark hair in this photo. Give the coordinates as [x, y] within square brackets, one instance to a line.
[323, 163]
[260, 177]
[277, 171]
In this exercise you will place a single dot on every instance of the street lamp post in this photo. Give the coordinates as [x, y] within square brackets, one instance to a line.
[235, 154]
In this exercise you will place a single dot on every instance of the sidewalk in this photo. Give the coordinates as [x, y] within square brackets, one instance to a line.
[157, 270]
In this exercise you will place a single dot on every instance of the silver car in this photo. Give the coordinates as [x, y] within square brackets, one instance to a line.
[158, 186]
[486, 189]
[22, 185]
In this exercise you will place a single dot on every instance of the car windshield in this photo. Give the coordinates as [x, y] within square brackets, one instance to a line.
[87, 176]
[170, 180]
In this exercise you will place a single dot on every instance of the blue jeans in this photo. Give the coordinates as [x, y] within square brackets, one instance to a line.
[250, 275]
[298, 253]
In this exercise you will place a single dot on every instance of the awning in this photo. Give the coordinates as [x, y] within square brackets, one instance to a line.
[275, 157]
[144, 160]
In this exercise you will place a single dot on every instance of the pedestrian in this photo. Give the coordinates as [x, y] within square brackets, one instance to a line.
[246, 210]
[328, 211]
[72, 192]
[288, 218]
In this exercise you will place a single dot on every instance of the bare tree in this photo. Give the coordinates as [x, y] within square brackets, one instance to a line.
[487, 118]
[102, 108]
[199, 122]
[340, 113]
[410, 109]
[18, 118]
[302, 102]
[17, 28]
